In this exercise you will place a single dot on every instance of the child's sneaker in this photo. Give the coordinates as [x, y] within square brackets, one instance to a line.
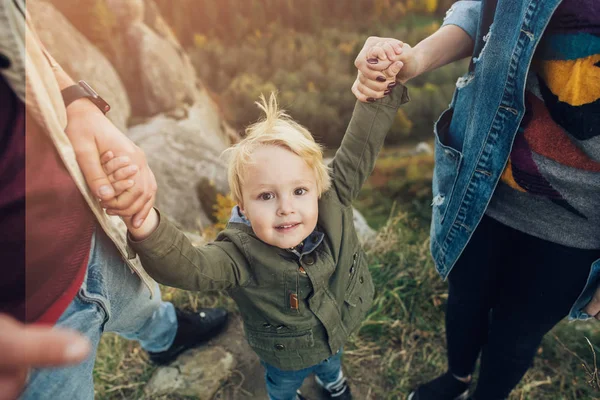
[340, 391]
[299, 396]
[444, 387]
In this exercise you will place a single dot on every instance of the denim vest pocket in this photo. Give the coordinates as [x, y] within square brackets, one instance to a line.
[272, 341]
[359, 294]
[447, 164]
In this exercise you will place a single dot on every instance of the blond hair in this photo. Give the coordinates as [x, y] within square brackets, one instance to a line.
[275, 129]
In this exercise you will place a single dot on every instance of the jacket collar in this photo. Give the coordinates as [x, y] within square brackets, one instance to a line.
[309, 244]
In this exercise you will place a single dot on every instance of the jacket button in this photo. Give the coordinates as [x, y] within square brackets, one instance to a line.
[309, 260]
[267, 325]
[279, 347]
[4, 61]
[361, 280]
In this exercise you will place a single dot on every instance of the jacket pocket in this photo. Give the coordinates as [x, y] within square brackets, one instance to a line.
[447, 164]
[271, 341]
[359, 294]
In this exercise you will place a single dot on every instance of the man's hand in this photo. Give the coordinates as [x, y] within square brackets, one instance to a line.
[593, 307]
[91, 135]
[27, 346]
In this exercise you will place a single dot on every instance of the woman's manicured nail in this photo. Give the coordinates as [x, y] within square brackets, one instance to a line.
[372, 60]
[392, 84]
[132, 168]
[370, 99]
[381, 78]
[388, 91]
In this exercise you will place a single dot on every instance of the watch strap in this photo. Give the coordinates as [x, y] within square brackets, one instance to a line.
[72, 93]
[83, 89]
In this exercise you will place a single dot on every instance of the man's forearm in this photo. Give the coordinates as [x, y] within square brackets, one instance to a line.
[448, 44]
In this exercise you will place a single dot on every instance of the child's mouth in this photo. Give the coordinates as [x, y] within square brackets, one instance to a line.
[287, 227]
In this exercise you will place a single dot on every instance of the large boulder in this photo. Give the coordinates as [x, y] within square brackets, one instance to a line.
[198, 373]
[184, 155]
[158, 73]
[80, 58]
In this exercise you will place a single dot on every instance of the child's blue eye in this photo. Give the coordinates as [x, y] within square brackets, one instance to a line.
[265, 196]
[300, 191]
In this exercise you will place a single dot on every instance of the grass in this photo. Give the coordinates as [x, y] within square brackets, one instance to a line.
[402, 342]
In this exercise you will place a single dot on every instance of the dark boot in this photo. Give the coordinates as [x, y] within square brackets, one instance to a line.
[444, 387]
[193, 329]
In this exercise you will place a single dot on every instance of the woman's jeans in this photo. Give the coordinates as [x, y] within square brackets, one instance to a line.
[282, 385]
[505, 292]
[111, 299]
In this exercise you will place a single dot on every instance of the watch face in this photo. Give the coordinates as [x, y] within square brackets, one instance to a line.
[88, 88]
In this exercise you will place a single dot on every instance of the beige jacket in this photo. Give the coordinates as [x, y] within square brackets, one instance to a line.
[31, 76]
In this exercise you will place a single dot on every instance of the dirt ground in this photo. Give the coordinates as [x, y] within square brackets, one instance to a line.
[247, 381]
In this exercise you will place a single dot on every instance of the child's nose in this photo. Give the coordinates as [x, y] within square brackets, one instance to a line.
[285, 206]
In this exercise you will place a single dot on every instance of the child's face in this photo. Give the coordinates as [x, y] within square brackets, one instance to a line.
[280, 196]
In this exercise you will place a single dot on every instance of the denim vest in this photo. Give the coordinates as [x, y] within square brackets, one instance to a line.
[474, 136]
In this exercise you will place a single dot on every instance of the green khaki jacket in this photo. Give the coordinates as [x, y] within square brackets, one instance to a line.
[292, 319]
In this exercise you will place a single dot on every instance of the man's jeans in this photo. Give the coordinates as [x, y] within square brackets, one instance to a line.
[282, 385]
[111, 299]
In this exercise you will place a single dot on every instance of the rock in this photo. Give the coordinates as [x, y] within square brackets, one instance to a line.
[127, 11]
[198, 373]
[423, 147]
[184, 155]
[80, 59]
[195, 239]
[365, 233]
[158, 72]
[248, 383]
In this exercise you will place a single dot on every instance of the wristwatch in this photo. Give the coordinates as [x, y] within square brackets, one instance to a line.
[83, 89]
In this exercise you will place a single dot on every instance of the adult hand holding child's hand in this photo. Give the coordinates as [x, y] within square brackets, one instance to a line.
[121, 174]
[381, 63]
[92, 134]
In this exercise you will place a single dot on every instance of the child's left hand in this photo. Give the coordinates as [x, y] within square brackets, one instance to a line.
[119, 171]
[593, 307]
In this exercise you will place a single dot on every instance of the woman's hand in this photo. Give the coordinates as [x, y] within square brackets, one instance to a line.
[380, 63]
[367, 91]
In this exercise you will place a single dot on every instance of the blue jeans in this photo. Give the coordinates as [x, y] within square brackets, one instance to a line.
[282, 385]
[111, 299]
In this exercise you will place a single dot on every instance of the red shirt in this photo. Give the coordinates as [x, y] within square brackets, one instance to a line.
[46, 226]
